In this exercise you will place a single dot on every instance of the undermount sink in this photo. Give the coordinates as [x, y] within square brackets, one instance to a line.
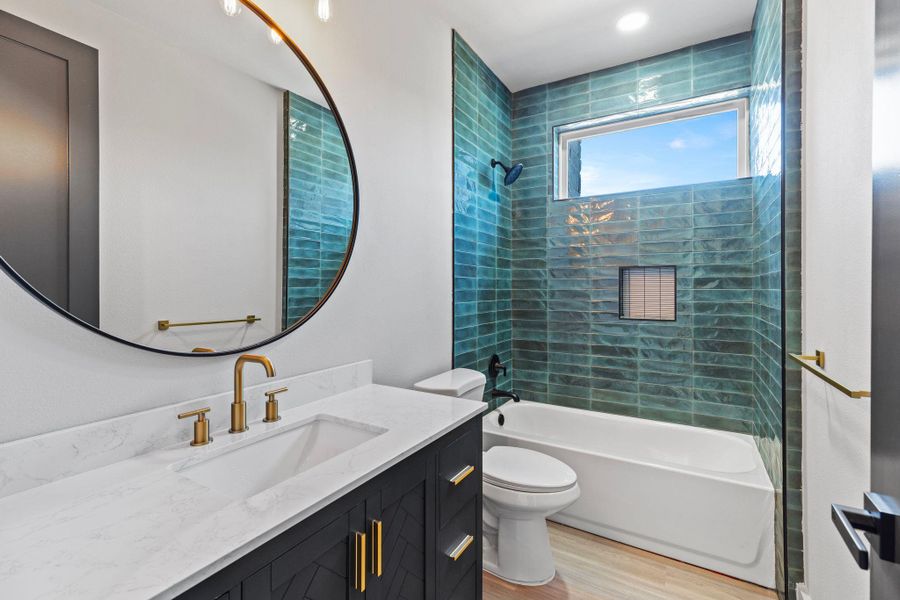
[250, 469]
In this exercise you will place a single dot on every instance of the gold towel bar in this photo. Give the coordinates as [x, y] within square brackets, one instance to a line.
[165, 325]
[816, 370]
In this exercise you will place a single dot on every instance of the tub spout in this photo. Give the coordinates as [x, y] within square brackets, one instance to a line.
[504, 394]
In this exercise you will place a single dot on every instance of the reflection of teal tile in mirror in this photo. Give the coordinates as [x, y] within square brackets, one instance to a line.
[319, 205]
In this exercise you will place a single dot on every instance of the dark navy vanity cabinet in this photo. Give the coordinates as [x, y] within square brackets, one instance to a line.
[411, 533]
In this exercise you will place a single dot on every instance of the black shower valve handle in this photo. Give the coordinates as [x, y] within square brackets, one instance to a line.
[496, 366]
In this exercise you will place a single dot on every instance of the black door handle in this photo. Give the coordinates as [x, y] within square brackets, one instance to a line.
[848, 520]
[878, 520]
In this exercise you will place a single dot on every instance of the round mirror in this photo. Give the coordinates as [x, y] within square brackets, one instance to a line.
[173, 174]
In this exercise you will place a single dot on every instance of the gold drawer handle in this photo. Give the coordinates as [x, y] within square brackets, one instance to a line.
[359, 562]
[459, 477]
[461, 547]
[377, 548]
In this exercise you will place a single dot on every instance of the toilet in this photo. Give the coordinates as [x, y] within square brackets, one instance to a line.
[521, 489]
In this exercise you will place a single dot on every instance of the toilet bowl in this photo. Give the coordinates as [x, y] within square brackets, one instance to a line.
[521, 489]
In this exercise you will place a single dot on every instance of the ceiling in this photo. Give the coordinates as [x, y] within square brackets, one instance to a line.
[530, 42]
[240, 42]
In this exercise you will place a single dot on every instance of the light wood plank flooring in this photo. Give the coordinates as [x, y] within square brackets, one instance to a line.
[594, 568]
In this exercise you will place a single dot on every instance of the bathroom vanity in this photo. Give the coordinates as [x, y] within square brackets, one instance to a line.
[412, 532]
[358, 491]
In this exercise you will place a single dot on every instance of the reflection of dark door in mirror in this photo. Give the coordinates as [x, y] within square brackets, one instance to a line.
[318, 212]
[49, 164]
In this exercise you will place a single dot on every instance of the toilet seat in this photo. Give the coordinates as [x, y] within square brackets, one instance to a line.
[523, 470]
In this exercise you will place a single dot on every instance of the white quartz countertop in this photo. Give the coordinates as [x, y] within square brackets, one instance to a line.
[137, 529]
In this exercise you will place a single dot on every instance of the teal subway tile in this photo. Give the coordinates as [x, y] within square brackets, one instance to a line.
[562, 258]
[615, 408]
[668, 416]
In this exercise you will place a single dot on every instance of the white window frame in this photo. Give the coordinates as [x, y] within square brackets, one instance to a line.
[740, 105]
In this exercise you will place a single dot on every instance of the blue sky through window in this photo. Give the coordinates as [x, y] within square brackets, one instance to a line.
[695, 150]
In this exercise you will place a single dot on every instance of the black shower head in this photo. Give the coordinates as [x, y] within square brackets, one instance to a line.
[512, 173]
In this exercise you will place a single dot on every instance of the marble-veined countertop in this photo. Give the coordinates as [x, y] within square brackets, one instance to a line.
[138, 529]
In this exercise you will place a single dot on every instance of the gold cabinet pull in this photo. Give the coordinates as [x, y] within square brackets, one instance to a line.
[461, 547]
[359, 561]
[377, 547]
[201, 426]
[459, 477]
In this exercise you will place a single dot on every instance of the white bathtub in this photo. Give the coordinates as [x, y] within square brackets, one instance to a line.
[697, 495]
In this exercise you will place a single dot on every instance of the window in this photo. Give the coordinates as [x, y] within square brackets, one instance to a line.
[676, 147]
[647, 293]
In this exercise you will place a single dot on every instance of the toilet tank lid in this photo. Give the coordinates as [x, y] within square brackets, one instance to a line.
[452, 383]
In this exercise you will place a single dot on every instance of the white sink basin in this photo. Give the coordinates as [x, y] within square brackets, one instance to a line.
[249, 469]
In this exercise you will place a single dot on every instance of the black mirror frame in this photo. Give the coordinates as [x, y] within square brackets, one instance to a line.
[289, 42]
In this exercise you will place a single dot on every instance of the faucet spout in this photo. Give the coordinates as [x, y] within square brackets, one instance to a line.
[239, 407]
[495, 393]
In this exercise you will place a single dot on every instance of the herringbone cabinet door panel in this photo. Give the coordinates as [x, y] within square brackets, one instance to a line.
[404, 546]
[323, 579]
[316, 569]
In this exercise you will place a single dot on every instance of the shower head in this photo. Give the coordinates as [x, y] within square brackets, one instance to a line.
[512, 173]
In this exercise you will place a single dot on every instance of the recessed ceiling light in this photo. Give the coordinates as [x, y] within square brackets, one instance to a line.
[633, 21]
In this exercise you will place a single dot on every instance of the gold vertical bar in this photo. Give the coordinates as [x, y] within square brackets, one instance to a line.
[380, 549]
[377, 548]
[359, 566]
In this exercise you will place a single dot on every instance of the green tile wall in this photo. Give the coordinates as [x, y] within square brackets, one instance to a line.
[793, 434]
[318, 207]
[482, 219]
[765, 150]
[569, 346]
[766, 170]
[538, 283]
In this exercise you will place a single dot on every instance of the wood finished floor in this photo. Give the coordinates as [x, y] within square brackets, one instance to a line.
[593, 568]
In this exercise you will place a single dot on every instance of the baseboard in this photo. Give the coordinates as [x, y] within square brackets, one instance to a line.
[802, 592]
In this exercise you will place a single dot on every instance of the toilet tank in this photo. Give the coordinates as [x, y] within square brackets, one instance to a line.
[461, 383]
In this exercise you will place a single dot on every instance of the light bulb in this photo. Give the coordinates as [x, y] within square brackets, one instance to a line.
[274, 36]
[323, 9]
[232, 8]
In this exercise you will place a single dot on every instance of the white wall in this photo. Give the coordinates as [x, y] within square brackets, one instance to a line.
[388, 66]
[837, 226]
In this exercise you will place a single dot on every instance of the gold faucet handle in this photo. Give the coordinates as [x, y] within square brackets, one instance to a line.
[272, 405]
[201, 426]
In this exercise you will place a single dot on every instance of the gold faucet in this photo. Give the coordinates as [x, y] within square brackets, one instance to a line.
[239, 407]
